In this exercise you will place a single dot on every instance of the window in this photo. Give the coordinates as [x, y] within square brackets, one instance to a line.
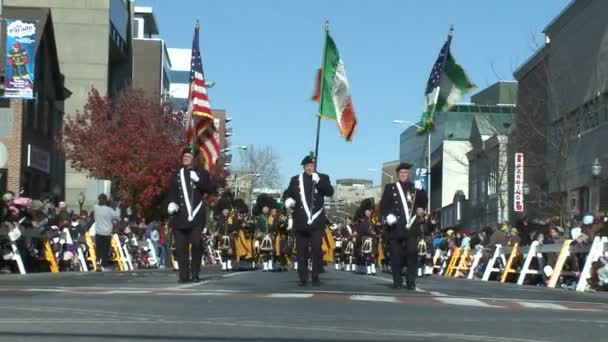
[492, 180]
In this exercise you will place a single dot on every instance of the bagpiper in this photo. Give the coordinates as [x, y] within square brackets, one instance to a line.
[365, 236]
[401, 206]
[224, 230]
[264, 229]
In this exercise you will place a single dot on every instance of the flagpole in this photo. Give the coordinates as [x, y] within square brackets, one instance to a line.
[326, 27]
[450, 34]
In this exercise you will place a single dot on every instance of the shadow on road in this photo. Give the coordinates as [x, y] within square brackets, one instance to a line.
[137, 337]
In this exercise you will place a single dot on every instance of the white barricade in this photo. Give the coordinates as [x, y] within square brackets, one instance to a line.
[67, 236]
[476, 259]
[598, 249]
[152, 256]
[499, 254]
[17, 257]
[122, 255]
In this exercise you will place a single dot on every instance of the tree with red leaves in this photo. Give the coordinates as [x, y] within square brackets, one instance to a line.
[131, 140]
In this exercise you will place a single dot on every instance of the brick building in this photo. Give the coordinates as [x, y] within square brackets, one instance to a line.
[28, 128]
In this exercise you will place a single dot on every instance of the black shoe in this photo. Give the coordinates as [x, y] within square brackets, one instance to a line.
[397, 286]
[301, 283]
[316, 282]
[196, 279]
[182, 281]
[411, 286]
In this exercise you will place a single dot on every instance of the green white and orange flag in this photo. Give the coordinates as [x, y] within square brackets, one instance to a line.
[333, 92]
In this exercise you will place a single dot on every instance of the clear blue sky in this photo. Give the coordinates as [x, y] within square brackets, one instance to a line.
[263, 55]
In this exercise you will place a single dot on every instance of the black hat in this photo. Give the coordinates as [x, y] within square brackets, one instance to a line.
[263, 200]
[240, 206]
[225, 202]
[403, 166]
[309, 159]
[191, 150]
[366, 204]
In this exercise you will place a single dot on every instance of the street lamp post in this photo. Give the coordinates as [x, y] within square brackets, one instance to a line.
[236, 182]
[81, 199]
[241, 147]
[428, 161]
[596, 171]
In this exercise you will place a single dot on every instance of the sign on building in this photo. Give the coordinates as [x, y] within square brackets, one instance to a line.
[38, 159]
[422, 179]
[20, 59]
[518, 193]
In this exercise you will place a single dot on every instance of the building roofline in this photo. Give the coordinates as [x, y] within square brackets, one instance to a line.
[558, 18]
[531, 61]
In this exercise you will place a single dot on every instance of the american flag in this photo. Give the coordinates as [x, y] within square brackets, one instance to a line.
[435, 77]
[201, 132]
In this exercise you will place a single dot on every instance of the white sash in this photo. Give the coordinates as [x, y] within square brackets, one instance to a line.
[303, 198]
[408, 217]
[191, 214]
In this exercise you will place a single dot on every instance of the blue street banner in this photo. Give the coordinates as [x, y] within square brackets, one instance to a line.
[422, 179]
[20, 59]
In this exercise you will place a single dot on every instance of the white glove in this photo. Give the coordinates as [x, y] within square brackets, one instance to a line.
[289, 224]
[315, 177]
[418, 185]
[391, 219]
[173, 208]
[194, 176]
[290, 202]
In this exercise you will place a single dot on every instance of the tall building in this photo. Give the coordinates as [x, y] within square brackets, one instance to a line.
[353, 190]
[490, 173]
[31, 161]
[151, 62]
[94, 49]
[567, 93]
[450, 141]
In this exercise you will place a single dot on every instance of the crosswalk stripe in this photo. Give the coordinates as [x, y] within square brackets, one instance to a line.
[541, 305]
[290, 295]
[367, 298]
[216, 294]
[465, 302]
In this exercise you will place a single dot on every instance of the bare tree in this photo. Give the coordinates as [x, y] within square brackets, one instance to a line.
[546, 131]
[262, 160]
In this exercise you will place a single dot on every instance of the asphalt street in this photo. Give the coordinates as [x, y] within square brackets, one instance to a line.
[259, 306]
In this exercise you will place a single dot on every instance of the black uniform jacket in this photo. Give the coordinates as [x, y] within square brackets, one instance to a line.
[391, 203]
[188, 195]
[308, 212]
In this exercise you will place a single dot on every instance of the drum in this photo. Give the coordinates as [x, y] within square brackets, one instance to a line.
[266, 244]
[224, 242]
[367, 246]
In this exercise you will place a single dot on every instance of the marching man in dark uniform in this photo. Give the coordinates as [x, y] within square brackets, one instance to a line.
[186, 190]
[306, 195]
[401, 206]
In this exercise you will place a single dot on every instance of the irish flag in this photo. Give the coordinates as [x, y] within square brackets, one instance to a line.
[334, 98]
[447, 84]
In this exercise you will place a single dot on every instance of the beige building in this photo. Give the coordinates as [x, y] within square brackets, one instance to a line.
[94, 50]
[151, 62]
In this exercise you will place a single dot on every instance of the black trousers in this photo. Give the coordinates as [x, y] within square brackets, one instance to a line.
[304, 241]
[404, 250]
[102, 248]
[188, 260]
